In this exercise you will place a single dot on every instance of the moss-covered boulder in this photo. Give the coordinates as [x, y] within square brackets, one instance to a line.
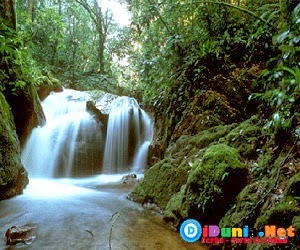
[160, 182]
[246, 208]
[212, 186]
[293, 187]
[281, 215]
[13, 177]
[208, 109]
[45, 85]
[246, 137]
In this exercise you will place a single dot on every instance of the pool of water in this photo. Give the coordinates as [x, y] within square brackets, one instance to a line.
[89, 213]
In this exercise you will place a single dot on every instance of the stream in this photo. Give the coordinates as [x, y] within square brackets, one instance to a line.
[76, 198]
[86, 213]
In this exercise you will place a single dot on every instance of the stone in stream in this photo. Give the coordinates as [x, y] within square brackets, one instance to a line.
[130, 179]
[20, 234]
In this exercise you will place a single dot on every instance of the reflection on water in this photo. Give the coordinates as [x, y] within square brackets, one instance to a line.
[77, 214]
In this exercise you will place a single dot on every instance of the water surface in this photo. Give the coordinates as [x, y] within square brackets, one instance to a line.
[90, 213]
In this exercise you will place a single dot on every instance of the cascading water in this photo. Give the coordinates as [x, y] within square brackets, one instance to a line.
[129, 134]
[72, 143]
[69, 144]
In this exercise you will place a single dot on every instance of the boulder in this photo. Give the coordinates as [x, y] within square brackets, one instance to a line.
[46, 85]
[13, 176]
[20, 234]
[97, 114]
[212, 186]
[27, 110]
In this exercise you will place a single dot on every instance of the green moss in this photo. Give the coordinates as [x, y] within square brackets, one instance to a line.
[212, 100]
[174, 210]
[245, 137]
[10, 162]
[206, 137]
[246, 201]
[160, 182]
[296, 223]
[293, 187]
[281, 215]
[212, 185]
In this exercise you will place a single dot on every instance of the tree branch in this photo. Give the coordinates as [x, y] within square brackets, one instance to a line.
[250, 13]
[88, 8]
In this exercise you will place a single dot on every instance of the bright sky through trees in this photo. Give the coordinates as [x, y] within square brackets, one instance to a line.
[120, 13]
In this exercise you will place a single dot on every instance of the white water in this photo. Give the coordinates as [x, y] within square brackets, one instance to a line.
[71, 143]
[144, 142]
[129, 134]
[51, 150]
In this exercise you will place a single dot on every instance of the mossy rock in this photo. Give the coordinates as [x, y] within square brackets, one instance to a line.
[246, 137]
[192, 124]
[46, 85]
[293, 187]
[239, 214]
[212, 100]
[160, 182]
[281, 215]
[186, 143]
[206, 137]
[208, 109]
[13, 177]
[27, 110]
[212, 186]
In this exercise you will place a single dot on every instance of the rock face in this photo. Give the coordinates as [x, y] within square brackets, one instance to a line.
[27, 110]
[13, 176]
[212, 185]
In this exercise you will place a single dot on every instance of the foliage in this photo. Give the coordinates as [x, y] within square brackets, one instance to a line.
[182, 42]
[280, 84]
[62, 37]
[16, 66]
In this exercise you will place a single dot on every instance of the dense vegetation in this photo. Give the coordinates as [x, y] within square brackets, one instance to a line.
[222, 79]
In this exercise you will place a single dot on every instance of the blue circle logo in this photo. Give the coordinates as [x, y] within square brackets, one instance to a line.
[190, 230]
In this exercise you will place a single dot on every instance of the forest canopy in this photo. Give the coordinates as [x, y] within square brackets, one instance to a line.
[171, 48]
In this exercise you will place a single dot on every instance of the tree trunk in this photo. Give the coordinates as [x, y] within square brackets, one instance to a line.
[101, 36]
[8, 12]
[30, 9]
[102, 24]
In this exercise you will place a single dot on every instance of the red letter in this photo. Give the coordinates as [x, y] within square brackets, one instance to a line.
[205, 231]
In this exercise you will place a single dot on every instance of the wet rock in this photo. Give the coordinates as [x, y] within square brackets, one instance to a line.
[130, 179]
[27, 110]
[15, 187]
[96, 113]
[20, 234]
[13, 176]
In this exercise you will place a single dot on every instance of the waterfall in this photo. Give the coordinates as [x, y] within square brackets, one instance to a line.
[73, 144]
[144, 142]
[129, 133]
[69, 144]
